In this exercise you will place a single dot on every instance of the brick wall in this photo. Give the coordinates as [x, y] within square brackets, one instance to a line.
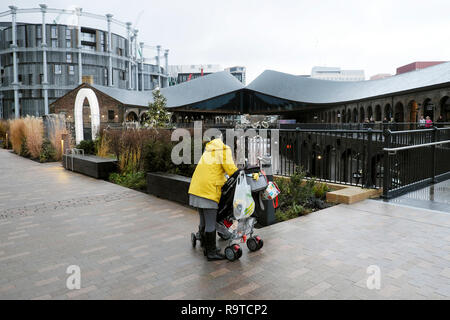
[66, 104]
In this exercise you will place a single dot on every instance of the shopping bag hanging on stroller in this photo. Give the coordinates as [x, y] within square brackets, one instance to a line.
[243, 203]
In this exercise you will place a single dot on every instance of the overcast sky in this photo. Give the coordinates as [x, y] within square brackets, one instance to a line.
[285, 35]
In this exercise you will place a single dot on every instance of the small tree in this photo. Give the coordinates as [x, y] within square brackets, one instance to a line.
[157, 114]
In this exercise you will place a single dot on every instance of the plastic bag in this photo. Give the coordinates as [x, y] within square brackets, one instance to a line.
[243, 203]
[271, 192]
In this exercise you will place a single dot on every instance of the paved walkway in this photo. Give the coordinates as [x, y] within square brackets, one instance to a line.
[434, 197]
[130, 245]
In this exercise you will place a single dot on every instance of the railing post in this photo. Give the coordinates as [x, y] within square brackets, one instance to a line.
[299, 145]
[387, 163]
[368, 170]
[433, 155]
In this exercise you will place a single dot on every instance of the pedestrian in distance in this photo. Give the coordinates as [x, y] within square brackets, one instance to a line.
[422, 122]
[428, 122]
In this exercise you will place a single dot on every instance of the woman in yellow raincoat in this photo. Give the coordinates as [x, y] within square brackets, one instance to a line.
[205, 191]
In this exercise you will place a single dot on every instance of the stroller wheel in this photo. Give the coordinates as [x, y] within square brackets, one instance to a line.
[239, 253]
[252, 244]
[233, 252]
[193, 240]
[261, 243]
[229, 254]
[224, 236]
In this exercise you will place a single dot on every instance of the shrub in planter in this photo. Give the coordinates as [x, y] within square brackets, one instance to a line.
[34, 132]
[292, 212]
[299, 196]
[87, 145]
[133, 180]
[24, 149]
[48, 152]
[320, 190]
[157, 156]
[17, 134]
[4, 129]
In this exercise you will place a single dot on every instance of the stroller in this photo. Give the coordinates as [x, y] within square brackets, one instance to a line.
[228, 227]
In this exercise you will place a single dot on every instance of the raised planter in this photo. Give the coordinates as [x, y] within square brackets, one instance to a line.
[93, 166]
[174, 187]
[169, 186]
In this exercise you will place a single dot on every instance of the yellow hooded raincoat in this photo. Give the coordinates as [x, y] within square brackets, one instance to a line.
[209, 175]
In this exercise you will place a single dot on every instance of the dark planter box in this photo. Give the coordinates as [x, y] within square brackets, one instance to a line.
[93, 166]
[174, 187]
[169, 186]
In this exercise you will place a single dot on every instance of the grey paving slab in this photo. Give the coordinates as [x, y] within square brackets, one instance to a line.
[131, 245]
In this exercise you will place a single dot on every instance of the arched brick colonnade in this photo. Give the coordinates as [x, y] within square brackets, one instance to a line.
[401, 108]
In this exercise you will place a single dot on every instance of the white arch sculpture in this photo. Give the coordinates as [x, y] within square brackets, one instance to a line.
[78, 113]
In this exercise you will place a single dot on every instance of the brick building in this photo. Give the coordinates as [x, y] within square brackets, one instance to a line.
[417, 66]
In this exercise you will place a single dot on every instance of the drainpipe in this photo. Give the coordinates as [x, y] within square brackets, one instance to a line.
[141, 45]
[44, 58]
[129, 54]
[14, 48]
[158, 49]
[80, 67]
[166, 59]
[135, 58]
[110, 69]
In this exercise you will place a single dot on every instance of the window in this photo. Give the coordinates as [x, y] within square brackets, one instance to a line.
[122, 75]
[89, 48]
[19, 78]
[41, 78]
[54, 32]
[68, 34]
[57, 69]
[120, 51]
[30, 79]
[69, 57]
[54, 43]
[38, 42]
[110, 114]
[71, 70]
[68, 44]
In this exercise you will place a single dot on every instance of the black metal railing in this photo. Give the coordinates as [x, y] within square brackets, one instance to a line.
[413, 159]
[393, 126]
[359, 157]
[352, 157]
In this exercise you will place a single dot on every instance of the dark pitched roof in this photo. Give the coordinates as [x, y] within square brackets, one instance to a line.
[202, 88]
[317, 91]
[196, 90]
[127, 97]
[285, 86]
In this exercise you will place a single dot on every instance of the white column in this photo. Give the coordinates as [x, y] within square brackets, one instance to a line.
[14, 48]
[141, 44]
[80, 67]
[166, 66]
[44, 59]
[158, 50]
[110, 68]
[136, 59]
[129, 54]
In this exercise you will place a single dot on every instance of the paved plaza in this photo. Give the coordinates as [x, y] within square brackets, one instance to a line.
[130, 245]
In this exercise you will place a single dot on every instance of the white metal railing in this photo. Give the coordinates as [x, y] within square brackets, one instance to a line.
[70, 153]
[394, 150]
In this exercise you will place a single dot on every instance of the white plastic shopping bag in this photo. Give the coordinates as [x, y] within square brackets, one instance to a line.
[243, 203]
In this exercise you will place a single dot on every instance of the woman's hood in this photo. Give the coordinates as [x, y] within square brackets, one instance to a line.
[216, 144]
